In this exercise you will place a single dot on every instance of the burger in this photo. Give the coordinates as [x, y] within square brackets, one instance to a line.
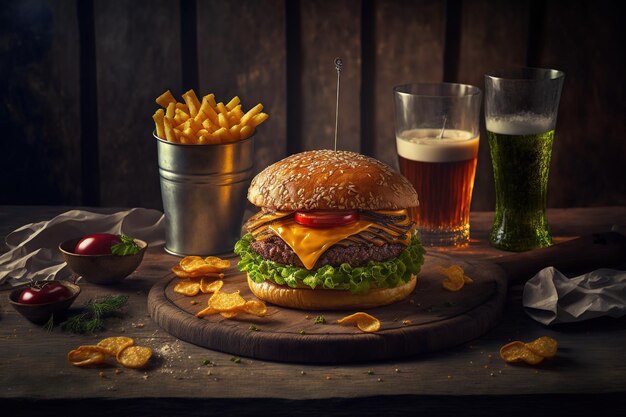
[333, 233]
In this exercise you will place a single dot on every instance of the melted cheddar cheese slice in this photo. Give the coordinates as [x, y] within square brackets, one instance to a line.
[310, 243]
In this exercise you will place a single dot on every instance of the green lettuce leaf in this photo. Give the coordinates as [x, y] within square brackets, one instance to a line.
[388, 274]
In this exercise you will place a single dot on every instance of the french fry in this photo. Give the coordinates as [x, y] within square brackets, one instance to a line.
[169, 130]
[237, 112]
[180, 117]
[233, 102]
[158, 121]
[234, 132]
[192, 102]
[223, 134]
[213, 139]
[209, 126]
[205, 122]
[203, 113]
[165, 99]
[251, 113]
[258, 119]
[245, 132]
[171, 110]
[195, 126]
[183, 107]
[223, 121]
[222, 109]
[209, 110]
[211, 99]
[178, 134]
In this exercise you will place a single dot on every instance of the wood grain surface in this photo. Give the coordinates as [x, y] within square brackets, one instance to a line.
[587, 374]
[409, 45]
[430, 319]
[592, 103]
[328, 29]
[83, 75]
[241, 53]
[40, 103]
[489, 43]
[138, 57]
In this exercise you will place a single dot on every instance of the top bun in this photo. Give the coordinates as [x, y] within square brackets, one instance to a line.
[331, 180]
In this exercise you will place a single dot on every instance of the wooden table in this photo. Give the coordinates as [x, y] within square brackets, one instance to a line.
[588, 375]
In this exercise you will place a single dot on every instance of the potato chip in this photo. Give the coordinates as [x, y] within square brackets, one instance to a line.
[518, 352]
[134, 356]
[544, 346]
[190, 263]
[181, 273]
[112, 346]
[86, 355]
[187, 287]
[209, 286]
[207, 269]
[206, 312]
[255, 307]
[217, 262]
[452, 285]
[364, 321]
[223, 301]
[229, 314]
[456, 278]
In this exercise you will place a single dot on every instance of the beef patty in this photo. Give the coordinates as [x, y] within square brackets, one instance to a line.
[275, 249]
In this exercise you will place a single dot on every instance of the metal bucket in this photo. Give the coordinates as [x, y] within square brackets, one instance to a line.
[204, 191]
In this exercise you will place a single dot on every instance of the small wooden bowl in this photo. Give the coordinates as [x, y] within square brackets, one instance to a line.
[102, 269]
[40, 313]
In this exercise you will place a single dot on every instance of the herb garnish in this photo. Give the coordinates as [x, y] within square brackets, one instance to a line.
[320, 320]
[95, 311]
[126, 247]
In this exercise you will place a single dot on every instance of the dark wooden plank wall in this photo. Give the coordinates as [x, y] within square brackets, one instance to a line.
[79, 80]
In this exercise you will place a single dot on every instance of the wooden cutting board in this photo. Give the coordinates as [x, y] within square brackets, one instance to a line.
[430, 319]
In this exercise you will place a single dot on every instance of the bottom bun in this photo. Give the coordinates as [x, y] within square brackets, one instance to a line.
[308, 299]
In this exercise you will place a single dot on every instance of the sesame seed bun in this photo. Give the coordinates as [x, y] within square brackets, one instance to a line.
[331, 180]
[309, 299]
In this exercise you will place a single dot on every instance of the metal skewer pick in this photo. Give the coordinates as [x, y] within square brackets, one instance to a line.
[338, 66]
[443, 128]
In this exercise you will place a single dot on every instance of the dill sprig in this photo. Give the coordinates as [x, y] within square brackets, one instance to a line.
[49, 326]
[91, 319]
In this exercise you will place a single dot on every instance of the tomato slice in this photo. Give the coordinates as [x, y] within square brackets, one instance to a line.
[326, 218]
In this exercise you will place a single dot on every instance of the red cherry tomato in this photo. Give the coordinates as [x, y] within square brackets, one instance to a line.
[45, 292]
[97, 244]
[328, 218]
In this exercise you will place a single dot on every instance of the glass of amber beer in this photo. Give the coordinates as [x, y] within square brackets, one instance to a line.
[520, 114]
[437, 136]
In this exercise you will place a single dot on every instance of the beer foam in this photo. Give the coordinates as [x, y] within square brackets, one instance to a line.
[520, 124]
[425, 145]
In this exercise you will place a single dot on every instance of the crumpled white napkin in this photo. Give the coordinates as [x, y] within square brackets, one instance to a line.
[33, 248]
[550, 297]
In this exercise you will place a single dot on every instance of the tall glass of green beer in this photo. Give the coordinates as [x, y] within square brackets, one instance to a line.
[521, 106]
